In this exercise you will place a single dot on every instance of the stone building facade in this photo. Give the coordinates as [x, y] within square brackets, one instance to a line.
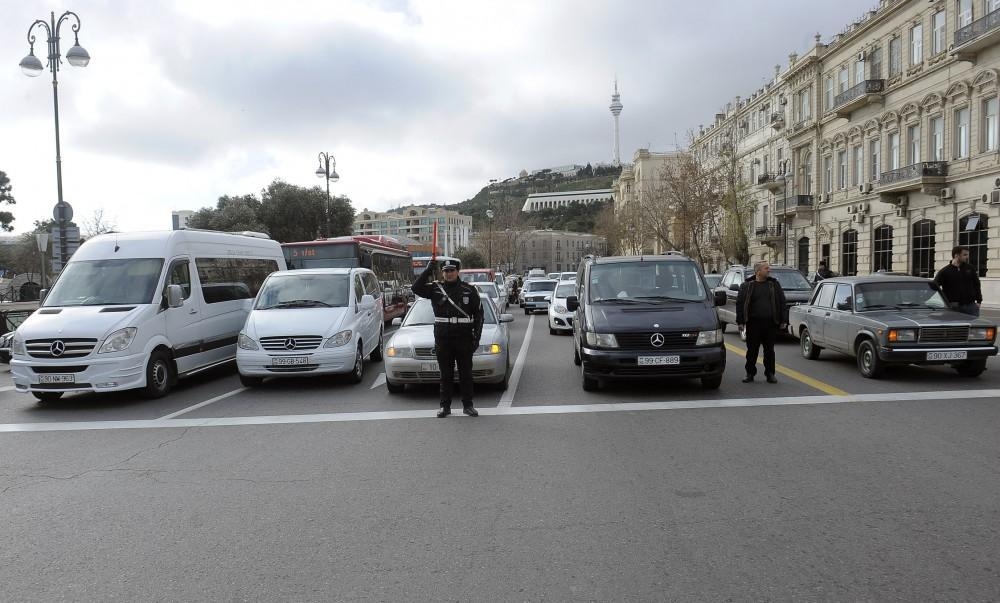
[417, 222]
[880, 149]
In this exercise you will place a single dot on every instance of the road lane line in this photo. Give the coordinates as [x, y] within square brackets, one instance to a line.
[202, 404]
[961, 395]
[7, 388]
[508, 396]
[826, 388]
[379, 381]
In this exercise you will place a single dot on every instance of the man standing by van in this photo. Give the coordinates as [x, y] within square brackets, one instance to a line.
[760, 309]
[960, 283]
[458, 325]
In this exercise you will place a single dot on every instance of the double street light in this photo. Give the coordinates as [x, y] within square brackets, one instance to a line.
[327, 169]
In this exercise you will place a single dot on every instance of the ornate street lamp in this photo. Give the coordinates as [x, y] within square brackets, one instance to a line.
[327, 169]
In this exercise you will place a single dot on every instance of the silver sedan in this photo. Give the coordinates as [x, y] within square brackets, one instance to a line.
[409, 352]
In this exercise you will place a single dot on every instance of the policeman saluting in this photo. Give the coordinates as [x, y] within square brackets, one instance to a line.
[458, 324]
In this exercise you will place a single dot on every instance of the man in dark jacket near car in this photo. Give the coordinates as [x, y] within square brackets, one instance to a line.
[760, 309]
[960, 283]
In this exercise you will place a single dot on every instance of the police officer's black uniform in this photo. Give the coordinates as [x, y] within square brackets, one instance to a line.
[458, 325]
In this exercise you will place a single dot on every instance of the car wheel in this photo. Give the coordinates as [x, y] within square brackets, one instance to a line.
[159, 375]
[394, 388]
[971, 368]
[589, 384]
[251, 381]
[47, 396]
[711, 382]
[527, 311]
[358, 374]
[810, 350]
[503, 385]
[376, 355]
[576, 356]
[869, 364]
[553, 331]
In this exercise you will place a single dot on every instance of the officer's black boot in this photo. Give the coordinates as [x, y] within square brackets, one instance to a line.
[467, 409]
[445, 410]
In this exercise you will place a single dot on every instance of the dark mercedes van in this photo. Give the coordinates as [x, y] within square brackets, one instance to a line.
[641, 317]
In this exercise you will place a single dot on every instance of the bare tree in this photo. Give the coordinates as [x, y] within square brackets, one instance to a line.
[97, 224]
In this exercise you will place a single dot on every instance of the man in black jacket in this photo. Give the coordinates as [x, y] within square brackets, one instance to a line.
[760, 309]
[960, 283]
[458, 325]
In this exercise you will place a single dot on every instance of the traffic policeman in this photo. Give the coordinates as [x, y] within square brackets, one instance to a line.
[458, 325]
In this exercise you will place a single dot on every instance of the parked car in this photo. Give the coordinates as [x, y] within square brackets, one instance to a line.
[537, 294]
[552, 276]
[5, 340]
[315, 321]
[884, 319]
[814, 277]
[490, 291]
[713, 280]
[410, 357]
[797, 289]
[560, 318]
[646, 316]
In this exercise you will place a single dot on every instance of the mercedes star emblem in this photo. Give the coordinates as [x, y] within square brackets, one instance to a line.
[289, 344]
[657, 340]
[57, 348]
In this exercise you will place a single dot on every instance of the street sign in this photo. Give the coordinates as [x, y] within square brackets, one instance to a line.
[63, 212]
[72, 243]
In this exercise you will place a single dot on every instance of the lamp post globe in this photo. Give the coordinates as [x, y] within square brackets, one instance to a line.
[78, 56]
[31, 66]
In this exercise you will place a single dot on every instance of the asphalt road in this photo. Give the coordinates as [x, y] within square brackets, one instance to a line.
[825, 486]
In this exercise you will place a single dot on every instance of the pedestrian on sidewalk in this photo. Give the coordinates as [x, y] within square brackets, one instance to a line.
[823, 272]
[760, 310]
[960, 283]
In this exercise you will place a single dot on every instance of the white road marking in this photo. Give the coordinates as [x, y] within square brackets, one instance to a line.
[508, 396]
[379, 381]
[510, 411]
[7, 388]
[201, 404]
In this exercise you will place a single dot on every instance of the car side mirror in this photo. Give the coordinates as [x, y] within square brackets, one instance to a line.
[734, 287]
[506, 318]
[572, 303]
[367, 301]
[396, 322]
[720, 297]
[175, 296]
[42, 294]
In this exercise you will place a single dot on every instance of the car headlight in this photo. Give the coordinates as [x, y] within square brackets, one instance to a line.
[119, 340]
[342, 338]
[902, 335]
[601, 340]
[244, 342]
[982, 334]
[560, 308]
[399, 352]
[709, 337]
[488, 348]
[17, 346]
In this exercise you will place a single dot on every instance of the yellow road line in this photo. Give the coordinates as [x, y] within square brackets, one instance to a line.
[826, 388]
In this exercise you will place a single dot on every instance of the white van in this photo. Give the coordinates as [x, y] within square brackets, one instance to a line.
[316, 321]
[139, 310]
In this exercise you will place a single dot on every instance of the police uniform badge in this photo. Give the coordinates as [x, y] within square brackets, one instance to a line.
[465, 300]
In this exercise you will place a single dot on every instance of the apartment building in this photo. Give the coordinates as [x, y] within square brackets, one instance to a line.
[417, 222]
[639, 179]
[557, 250]
[880, 149]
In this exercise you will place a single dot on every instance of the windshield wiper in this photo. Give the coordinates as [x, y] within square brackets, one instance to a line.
[670, 298]
[618, 300]
[916, 305]
[418, 324]
[875, 307]
[299, 303]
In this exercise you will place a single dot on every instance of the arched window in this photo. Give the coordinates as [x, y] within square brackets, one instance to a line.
[803, 255]
[972, 233]
[849, 253]
[882, 257]
[923, 248]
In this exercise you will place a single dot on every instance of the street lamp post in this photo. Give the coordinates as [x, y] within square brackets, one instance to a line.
[783, 179]
[327, 169]
[32, 67]
[489, 252]
[42, 240]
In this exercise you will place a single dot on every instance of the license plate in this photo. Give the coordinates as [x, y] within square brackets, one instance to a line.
[658, 360]
[428, 366]
[57, 378]
[947, 355]
[289, 360]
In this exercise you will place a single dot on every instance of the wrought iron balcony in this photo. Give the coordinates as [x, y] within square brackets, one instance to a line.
[868, 91]
[976, 36]
[927, 177]
[770, 234]
[796, 204]
[769, 182]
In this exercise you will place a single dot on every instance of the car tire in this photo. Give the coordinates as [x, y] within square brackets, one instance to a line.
[358, 373]
[527, 311]
[47, 396]
[711, 382]
[810, 350]
[503, 385]
[576, 356]
[553, 331]
[159, 375]
[589, 384]
[869, 364]
[971, 368]
[376, 355]
[247, 381]
[394, 388]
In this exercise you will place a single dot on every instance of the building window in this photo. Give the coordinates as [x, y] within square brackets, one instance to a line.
[923, 248]
[859, 166]
[962, 133]
[882, 258]
[842, 170]
[849, 253]
[992, 5]
[895, 57]
[937, 24]
[937, 139]
[828, 93]
[894, 151]
[859, 71]
[964, 13]
[972, 233]
[804, 109]
[876, 61]
[913, 138]
[990, 124]
[807, 168]
[827, 174]
[874, 148]
[803, 255]
[842, 82]
[917, 44]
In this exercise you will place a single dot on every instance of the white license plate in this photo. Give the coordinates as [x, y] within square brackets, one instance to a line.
[658, 360]
[289, 360]
[57, 378]
[428, 366]
[947, 355]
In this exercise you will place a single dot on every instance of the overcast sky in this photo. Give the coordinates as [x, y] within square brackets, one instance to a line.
[420, 102]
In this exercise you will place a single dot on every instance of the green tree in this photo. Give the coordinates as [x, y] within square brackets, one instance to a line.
[6, 196]
[230, 214]
[341, 216]
[471, 258]
[293, 213]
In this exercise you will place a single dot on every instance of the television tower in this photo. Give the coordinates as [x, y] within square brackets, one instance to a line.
[616, 110]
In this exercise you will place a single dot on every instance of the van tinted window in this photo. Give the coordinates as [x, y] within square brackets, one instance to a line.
[228, 279]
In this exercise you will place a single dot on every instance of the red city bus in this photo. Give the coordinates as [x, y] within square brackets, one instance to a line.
[384, 256]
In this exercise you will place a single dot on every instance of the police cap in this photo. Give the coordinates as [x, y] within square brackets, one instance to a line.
[451, 264]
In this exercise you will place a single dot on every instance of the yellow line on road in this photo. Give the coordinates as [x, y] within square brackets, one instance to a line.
[826, 388]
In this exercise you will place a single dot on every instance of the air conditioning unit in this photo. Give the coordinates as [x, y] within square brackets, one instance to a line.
[995, 197]
[996, 183]
[852, 209]
[903, 200]
[947, 193]
[862, 208]
[865, 188]
[861, 55]
[901, 212]
[857, 218]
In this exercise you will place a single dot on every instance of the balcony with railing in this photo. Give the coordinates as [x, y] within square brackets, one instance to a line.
[976, 36]
[855, 97]
[770, 234]
[795, 205]
[769, 182]
[927, 177]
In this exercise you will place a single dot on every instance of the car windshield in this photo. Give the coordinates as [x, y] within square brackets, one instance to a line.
[646, 281]
[488, 288]
[565, 290]
[422, 313]
[476, 277]
[791, 280]
[713, 280]
[294, 290]
[897, 295]
[568, 276]
[106, 283]
[541, 286]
